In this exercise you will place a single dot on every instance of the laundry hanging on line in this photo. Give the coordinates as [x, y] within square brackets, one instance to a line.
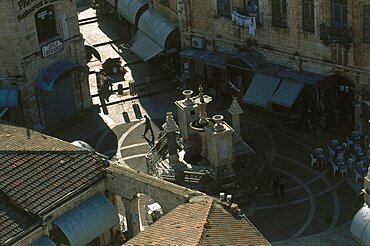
[245, 21]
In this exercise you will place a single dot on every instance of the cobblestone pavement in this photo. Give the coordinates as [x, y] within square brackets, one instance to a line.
[318, 206]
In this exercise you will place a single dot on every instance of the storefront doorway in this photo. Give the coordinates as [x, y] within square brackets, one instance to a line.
[334, 100]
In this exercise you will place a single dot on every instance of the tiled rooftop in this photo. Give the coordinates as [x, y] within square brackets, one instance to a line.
[37, 172]
[204, 222]
[14, 138]
[36, 180]
[13, 221]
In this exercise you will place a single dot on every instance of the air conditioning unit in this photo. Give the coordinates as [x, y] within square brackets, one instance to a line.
[197, 42]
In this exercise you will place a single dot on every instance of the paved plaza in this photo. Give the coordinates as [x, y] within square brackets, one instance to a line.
[318, 206]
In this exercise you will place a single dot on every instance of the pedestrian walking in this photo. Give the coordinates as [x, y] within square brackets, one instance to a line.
[282, 186]
[148, 126]
[275, 187]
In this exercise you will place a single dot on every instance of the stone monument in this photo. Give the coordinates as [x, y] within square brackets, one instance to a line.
[220, 152]
[239, 147]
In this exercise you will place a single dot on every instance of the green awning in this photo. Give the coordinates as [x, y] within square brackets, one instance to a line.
[88, 220]
[156, 26]
[261, 89]
[144, 47]
[287, 92]
[129, 8]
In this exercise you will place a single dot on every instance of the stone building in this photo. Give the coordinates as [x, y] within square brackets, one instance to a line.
[54, 194]
[285, 52]
[43, 72]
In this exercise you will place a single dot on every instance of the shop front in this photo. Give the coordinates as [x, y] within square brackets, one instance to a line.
[206, 68]
[57, 84]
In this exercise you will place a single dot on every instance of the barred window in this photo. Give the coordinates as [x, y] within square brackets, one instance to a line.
[223, 8]
[366, 23]
[279, 13]
[308, 16]
[46, 24]
[339, 14]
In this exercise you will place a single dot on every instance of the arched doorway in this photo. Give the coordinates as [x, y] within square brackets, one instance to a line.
[334, 100]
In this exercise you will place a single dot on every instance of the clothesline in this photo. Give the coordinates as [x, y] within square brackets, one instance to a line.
[245, 21]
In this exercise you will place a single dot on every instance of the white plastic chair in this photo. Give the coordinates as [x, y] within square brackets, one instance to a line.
[350, 162]
[334, 142]
[344, 170]
[313, 160]
[357, 175]
[335, 168]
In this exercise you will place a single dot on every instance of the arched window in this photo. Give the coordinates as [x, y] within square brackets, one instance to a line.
[46, 24]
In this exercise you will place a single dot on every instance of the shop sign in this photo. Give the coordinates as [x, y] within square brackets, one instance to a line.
[32, 6]
[52, 48]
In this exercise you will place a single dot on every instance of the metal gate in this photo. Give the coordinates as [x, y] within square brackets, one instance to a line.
[59, 104]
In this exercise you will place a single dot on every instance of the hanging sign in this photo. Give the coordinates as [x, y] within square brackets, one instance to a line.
[52, 47]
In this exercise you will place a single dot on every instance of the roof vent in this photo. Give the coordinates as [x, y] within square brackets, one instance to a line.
[222, 196]
[229, 197]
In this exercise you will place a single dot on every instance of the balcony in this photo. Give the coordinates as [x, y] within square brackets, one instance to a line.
[330, 35]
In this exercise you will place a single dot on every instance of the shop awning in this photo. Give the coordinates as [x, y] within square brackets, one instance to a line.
[287, 92]
[300, 76]
[360, 226]
[261, 89]
[253, 59]
[156, 26]
[43, 241]
[129, 8]
[217, 59]
[52, 72]
[144, 47]
[195, 54]
[9, 96]
[88, 220]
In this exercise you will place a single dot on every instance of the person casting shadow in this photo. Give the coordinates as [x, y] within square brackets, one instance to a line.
[148, 127]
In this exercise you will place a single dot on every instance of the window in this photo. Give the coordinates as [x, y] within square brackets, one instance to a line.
[308, 16]
[45, 23]
[366, 23]
[279, 16]
[223, 8]
[249, 7]
[339, 14]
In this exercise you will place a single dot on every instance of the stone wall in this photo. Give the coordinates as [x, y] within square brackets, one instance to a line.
[291, 46]
[20, 51]
[127, 183]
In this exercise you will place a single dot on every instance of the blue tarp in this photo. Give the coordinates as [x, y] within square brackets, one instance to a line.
[47, 77]
[88, 220]
[287, 92]
[261, 89]
[9, 96]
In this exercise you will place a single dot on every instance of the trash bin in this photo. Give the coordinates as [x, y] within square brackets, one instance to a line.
[132, 87]
[120, 89]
